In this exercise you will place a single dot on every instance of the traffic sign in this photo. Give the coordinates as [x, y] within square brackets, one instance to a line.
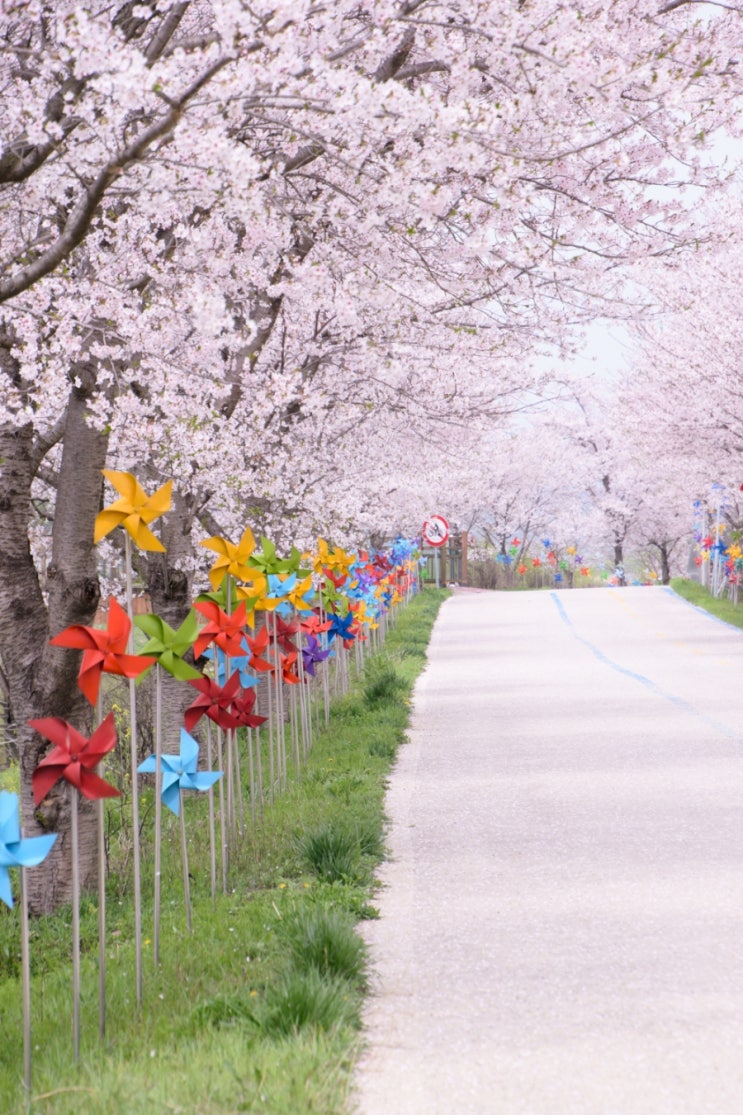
[436, 531]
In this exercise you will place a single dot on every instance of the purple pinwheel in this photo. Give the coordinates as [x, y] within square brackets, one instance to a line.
[312, 653]
[180, 772]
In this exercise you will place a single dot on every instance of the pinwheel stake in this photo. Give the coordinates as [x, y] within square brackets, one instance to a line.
[215, 701]
[168, 647]
[109, 651]
[73, 759]
[17, 852]
[180, 772]
[134, 510]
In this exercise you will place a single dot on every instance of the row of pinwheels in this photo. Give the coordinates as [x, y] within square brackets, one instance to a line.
[544, 567]
[267, 624]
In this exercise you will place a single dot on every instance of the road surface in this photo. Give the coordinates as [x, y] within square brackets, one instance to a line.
[561, 927]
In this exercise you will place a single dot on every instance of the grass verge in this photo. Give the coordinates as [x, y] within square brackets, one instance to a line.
[699, 596]
[257, 1010]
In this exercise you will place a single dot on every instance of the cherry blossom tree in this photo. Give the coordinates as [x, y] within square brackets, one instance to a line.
[280, 251]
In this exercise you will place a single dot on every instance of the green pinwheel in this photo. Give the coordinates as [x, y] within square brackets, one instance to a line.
[169, 646]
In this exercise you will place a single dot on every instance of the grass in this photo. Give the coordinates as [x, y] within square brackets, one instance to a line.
[698, 595]
[257, 1010]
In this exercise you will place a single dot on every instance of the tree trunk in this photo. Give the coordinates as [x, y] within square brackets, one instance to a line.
[619, 560]
[42, 680]
[665, 564]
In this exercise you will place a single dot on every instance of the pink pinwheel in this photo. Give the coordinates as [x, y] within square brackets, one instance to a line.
[223, 629]
[74, 758]
[103, 651]
[214, 701]
[242, 708]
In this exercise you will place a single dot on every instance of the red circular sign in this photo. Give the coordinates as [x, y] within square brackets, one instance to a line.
[436, 531]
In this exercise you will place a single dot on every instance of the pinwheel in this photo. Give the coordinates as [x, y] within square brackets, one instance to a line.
[338, 581]
[73, 759]
[214, 701]
[331, 556]
[242, 708]
[241, 664]
[168, 646]
[15, 851]
[103, 651]
[134, 510]
[288, 672]
[258, 645]
[284, 633]
[225, 631]
[180, 772]
[340, 627]
[232, 558]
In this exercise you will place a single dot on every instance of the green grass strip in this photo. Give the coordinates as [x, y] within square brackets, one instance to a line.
[258, 1009]
[703, 598]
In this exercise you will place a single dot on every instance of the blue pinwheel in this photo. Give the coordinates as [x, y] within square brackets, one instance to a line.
[242, 665]
[180, 772]
[279, 589]
[341, 626]
[14, 851]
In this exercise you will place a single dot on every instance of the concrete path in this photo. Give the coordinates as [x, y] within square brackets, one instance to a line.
[561, 926]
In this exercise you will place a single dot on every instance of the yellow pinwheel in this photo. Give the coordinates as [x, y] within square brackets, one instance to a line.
[232, 558]
[134, 510]
[330, 557]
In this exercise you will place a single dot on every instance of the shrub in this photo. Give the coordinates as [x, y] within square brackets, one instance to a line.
[305, 999]
[324, 939]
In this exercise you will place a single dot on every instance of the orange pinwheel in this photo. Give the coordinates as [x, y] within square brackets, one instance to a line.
[73, 758]
[134, 510]
[288, 671]
[104, 652]
[223, 629]
[258, 645]
[231, 558]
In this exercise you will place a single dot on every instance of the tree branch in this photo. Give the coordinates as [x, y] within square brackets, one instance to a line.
[82, 214]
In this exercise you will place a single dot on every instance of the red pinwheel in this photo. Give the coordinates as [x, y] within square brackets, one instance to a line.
[338, 580]
[215, 701]
[288, 673]
[103, 651]
[314, 625]
[242, 708]
[284, 631]
[74, 758]
[223, 629]
[258, 645]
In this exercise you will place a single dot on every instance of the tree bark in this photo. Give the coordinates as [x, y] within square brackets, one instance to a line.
[42, 680]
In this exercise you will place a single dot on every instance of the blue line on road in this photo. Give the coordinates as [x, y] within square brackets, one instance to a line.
[679, 702]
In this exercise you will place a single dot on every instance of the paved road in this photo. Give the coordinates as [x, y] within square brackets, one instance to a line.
[561, 926]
